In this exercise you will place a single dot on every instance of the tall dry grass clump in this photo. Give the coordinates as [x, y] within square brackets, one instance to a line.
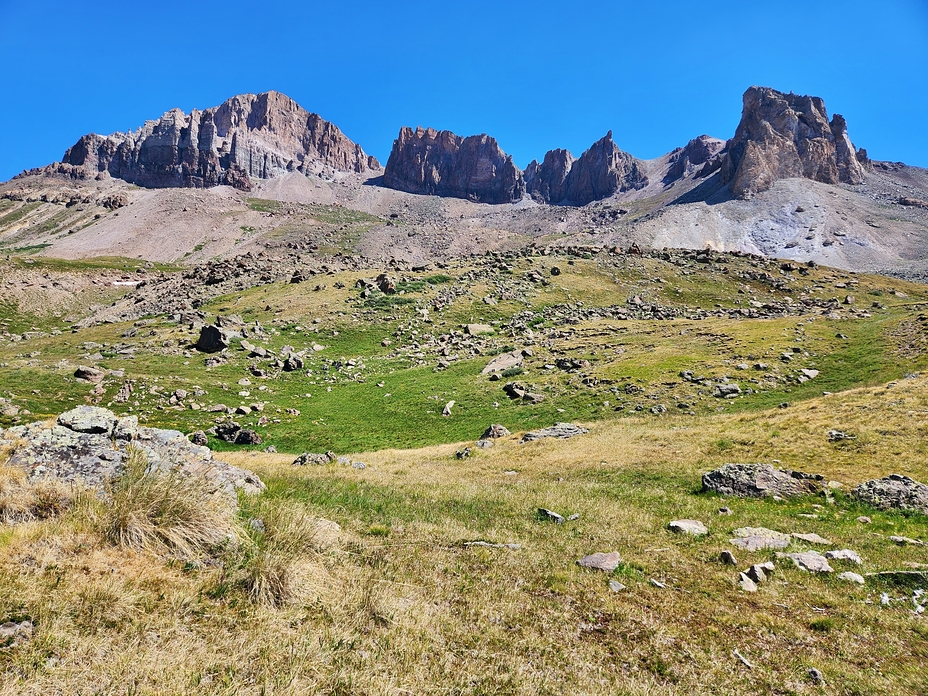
[22, 500]
[269, 563]
[163, 511]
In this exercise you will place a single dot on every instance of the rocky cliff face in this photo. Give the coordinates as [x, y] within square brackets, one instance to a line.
[600, 172]
[694, 156]
[547, 182]
[441, 163]
[786, 135]
[248, 136]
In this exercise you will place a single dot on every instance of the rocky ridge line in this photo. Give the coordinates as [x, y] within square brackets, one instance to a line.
[248, 136]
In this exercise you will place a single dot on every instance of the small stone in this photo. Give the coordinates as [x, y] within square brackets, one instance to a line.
[810, 561]
[616, 586]
[816, 676]
[746, 584]
[446, 411]
[811, 538]
[658, 583]
[550, 516]
[759, 571]
[495, 431]
[601, 561]
[691, 527]
[844, 555]
[575, 516]
[728, 558]
[358, 465]
[848, 576]
[863, 519]
[724, 510]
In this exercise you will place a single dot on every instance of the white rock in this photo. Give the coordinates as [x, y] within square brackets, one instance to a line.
[848, 576]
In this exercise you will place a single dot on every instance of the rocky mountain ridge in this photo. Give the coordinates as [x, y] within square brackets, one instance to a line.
[248, 136]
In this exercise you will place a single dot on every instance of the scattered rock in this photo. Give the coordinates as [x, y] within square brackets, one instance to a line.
[15, 633]
[849, 576]
[198, 437]
[811, 538]
[906, 541]
[844, 555]
[479, 329]
[503, 361]
[308, 458]
[463, 453]
[728, 558]
[816, 676]
[894, 492]
[495, 431]
[616, 586]
[558, 430]
[601, 561]
[212, 339]
[88, 419]
[810, 561]
[247, 437]
[690, 527]
[550, 516]
[446, 411]
[758, 539]
[90, 374]
[746, 584]
[759, 571]
[863, 519]
[760, 480]
[839, 436]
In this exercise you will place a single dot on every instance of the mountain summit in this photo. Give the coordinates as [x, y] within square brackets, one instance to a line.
[247, 136]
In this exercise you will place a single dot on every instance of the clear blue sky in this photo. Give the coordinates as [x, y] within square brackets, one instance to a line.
[536, 75]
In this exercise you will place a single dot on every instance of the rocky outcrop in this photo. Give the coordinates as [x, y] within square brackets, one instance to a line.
[760, 481]
[547, 182]
[603, 170]
[440, 163]
[787, 135]
[600, 172]
[89, 445]
[249, 136]
[894, 492]
[694, 156]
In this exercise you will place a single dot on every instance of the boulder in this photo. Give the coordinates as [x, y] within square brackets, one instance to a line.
[88, 419]
[601, 561]
[440, 163]
[312, 458]
[495, 431]
[90, 374]
[810, 561]
[759, 539]
[248, 136]
[787, 135]
[80, 448]
[559, 430]
[759, 481]
[894, 492]
[503, 361]
[690, 527]
[212, 339]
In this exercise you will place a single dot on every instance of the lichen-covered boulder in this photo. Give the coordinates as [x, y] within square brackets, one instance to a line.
[760, 481]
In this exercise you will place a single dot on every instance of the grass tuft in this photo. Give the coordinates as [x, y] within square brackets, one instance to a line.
[162, 511]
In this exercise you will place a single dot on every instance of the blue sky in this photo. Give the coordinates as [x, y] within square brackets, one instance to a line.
[536, 75]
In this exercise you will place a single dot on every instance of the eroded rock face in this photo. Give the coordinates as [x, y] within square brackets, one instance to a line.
[248, 136]
[89, 445]
[427, 161]
[760, 480]
[787, 135]
[602, 171]
[695, 155]
[547, 182]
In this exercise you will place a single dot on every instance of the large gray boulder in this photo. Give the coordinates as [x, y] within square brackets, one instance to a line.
[894, 492]
[89, 445]
[760, 481]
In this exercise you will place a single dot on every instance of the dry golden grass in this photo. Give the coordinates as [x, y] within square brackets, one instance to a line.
[395, 603]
